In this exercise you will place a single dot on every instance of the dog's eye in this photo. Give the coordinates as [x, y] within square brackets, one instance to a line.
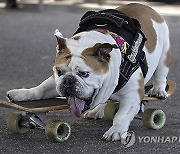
[59, 72]
[83, 74]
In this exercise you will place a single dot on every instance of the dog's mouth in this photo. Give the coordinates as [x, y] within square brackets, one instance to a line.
[77, 106]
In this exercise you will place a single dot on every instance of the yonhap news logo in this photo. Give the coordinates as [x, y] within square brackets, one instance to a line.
[159, 139]
[130, 139]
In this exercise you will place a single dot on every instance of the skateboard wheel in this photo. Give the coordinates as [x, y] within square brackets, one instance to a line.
[57, 130]
[154, 118]
[110, 110]
[13, 122]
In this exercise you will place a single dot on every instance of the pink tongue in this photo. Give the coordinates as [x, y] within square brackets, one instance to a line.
[76, 106]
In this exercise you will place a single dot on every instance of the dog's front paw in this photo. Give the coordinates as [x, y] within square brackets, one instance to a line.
[19, 95]
[94, 115]
[158, 92]
[115, 133]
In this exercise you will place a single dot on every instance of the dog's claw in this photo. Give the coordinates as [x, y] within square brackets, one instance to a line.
[9, 98]
[104, 137]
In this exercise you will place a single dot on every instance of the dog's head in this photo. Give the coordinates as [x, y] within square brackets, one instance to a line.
[81, 64]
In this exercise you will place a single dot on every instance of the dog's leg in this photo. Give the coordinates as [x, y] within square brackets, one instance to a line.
[96, 113]
[128, 109]
[130, 99]
[46, 89]
[162, 70]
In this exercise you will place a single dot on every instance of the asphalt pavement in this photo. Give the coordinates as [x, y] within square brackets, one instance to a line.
[27, 52]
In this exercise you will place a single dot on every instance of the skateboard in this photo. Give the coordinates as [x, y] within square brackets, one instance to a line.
[33, 115]
[151, 118]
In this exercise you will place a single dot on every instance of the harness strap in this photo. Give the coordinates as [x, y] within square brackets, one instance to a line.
[100, 17]
[133, 57]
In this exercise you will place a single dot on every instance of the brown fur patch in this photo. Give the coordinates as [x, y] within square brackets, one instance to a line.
[141, 89]
[168, 60]
[144, 14]
[98, 66]
[76, 37]
[64, 57]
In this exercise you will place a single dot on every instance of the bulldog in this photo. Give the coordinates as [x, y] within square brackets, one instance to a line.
[111, 56]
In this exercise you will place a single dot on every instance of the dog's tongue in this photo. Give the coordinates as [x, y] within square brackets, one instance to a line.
[76, 106]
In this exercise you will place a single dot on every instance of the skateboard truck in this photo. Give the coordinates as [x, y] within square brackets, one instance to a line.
[33, 120]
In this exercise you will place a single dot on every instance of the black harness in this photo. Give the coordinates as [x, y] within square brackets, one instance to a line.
[129, 29]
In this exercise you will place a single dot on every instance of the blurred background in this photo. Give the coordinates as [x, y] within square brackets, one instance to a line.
[18, 3]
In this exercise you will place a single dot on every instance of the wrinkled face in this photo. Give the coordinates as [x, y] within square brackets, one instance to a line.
[79, 68]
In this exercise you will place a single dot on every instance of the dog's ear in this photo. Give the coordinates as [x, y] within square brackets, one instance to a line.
[102, 50]
[60, 40]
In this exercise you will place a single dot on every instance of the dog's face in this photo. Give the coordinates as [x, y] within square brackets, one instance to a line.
[79, 69]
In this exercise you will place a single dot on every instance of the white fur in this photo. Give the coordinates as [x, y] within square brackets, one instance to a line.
[57, 33]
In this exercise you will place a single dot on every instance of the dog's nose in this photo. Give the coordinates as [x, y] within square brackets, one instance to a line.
[69, 81]
[69, 84]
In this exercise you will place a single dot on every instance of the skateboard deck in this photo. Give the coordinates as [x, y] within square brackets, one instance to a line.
[60, 103]
[170, 88]
[37, 106]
